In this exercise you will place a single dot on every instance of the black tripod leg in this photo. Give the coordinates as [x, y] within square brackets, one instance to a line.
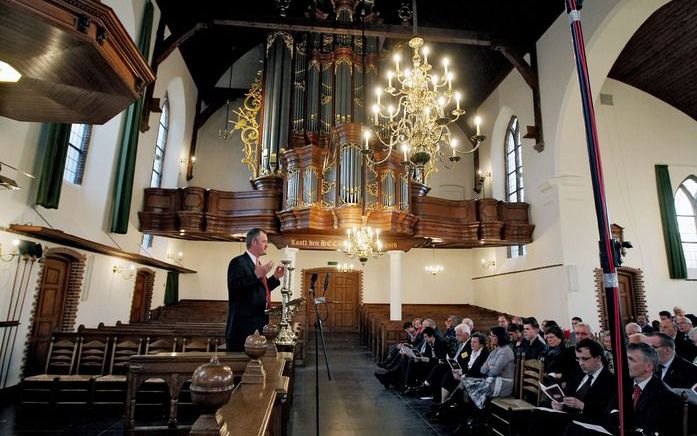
[324, 350]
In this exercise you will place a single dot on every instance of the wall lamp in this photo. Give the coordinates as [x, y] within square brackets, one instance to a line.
[488, 264]
[125, 273]
[11, 255]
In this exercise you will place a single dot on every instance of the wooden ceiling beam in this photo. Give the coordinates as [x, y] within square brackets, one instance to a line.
[172, 42]
[520, 64]
[432, 34]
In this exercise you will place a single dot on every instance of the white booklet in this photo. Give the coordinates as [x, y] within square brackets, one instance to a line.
[596, 428]
[554, 392]
[410, 352]
[548, 409]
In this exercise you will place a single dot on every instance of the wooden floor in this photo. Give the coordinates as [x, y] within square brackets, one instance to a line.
[354, 402]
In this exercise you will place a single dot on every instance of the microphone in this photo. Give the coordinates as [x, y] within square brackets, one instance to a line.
[326, 282]
[313, 280]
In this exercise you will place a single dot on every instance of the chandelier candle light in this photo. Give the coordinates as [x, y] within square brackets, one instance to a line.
[362, 243]
[416, 115]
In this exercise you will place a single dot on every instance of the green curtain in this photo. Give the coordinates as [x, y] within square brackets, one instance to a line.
[54, 140]
[172, 288]
[123, 186]
[671, 234]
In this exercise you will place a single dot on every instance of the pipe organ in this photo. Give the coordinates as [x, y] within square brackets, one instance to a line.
[313, 107]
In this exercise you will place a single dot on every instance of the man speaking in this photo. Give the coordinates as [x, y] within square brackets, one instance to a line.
[249, 290]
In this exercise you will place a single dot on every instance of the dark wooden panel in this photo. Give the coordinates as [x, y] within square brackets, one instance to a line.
[77, 61]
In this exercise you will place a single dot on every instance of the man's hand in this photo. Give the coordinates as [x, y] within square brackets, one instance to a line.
[457, 374]
[261, 270]
[574, 403]
[556, 405]
[280, 270]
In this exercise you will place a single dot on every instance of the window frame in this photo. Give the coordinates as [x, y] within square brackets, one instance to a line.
[160, 153]
[76, 177]
[682, 188]
[518, 194]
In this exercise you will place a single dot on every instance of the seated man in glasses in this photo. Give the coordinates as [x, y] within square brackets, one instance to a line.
[586, 396]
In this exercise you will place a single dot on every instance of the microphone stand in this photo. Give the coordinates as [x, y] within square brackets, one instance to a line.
[318, 329]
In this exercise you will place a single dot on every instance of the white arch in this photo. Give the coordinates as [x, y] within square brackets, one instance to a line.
[610, 33]
[177, 143]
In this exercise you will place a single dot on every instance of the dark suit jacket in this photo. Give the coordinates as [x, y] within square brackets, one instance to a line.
[681, 374]
[658, 410]
[246, 301]
[440, 348]
[685, 348]
[477, 365]
[597, 398]
[561, 361]
[534, 350]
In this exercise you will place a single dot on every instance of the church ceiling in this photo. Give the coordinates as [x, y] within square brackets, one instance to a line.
[517, 25]
[660, 58]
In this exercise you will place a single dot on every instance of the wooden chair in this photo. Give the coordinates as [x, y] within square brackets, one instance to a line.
[110, 389]
[506, 416]
[196, 344]
[78, 388]
[162, 345]
[41, 388]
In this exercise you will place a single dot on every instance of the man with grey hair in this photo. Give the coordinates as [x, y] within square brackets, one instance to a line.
[683, 345]
[469, 323]
[675, 371]
[632, 328]
[656, 408]
[249, 290]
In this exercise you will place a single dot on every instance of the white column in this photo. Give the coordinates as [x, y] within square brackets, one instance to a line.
[395, 284]
[289, 253]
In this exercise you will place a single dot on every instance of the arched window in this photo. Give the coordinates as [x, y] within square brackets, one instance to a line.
[686, 212]
[513, 153]
[78, 143]
[158, 161]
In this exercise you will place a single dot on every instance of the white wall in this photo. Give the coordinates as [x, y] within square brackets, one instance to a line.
[85, 210]
[453, 285]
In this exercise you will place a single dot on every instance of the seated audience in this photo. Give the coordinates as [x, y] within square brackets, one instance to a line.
[497, 371]
[587, 393]
[683, 348]
[686, 347]
[502, 321]
[435, 378]
[515, 332]
[643, 321]
[606, 342]
[409, 369]
[632, 328]
[656, 408]
[574, 321]
[393, 352]
[693, 337]
[469, 323]
[664, 314]
[559, 360]
[533, 345]
[675, 371]
[450, 324]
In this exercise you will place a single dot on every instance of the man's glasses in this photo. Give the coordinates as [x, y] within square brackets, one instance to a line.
[583, 358]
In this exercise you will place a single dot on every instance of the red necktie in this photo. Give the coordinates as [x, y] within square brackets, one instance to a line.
[635, 396]
[266, 286]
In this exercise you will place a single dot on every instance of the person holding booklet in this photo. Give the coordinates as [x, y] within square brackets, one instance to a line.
[585, 398]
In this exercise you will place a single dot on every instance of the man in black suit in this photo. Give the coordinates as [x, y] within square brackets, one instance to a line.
[587, 393]
[675, 371]
[657, 410]
[433, 350]
[683, 345]
[533, 345]
[643, 321]
[249, 290]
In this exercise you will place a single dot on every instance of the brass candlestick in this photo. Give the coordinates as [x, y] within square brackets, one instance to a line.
[286, 337]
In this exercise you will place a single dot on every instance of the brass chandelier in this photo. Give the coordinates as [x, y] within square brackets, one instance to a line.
[362, 243]
[415, 112]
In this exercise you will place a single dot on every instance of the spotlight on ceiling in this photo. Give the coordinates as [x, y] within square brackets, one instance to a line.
[8, 73]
